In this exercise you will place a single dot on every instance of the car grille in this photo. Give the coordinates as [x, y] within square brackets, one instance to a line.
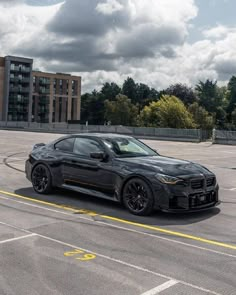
[197, 183]
[196, 200]
[210, 181]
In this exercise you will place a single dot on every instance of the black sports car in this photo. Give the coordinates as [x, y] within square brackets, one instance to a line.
[123, 169]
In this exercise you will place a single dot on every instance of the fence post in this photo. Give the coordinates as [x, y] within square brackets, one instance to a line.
[213, 135]
[200, 135]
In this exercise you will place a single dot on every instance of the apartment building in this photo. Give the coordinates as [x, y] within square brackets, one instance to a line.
[2, 71]
[56, 97]
[15, 78]
[35, 96]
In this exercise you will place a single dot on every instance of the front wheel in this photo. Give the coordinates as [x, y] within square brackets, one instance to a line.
[138, 197]
[41, 179]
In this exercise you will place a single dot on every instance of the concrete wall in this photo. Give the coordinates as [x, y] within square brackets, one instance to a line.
[224, 137]
[191, 135]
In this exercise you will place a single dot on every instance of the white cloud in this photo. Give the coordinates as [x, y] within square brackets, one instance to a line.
[108, 40]
[162, 11]
[218, 32]
[109, 7]
[22, 23]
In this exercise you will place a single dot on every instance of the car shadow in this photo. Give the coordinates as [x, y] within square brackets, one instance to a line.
[105, 207]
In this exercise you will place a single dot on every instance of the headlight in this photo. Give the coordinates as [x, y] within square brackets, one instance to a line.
[168, 179]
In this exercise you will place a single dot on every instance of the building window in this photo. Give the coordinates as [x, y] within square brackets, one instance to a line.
[74, 87]
[54, 86]
[67, 87]
[60, 108]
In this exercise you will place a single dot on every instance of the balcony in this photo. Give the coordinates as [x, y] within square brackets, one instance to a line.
[19, 89]
[17, 108]
[42, 111]
[44, 91]
[14, 69]
[13, 98]
[20, 69]
[14, 79]
[18, 100]
[19, 80]
[43, 101]
[44, 82]
[25, 80]
[24, 70]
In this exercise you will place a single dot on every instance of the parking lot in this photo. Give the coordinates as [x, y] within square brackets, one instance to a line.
[68, 243]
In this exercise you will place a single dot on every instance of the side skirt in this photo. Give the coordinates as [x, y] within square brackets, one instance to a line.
[89, 192]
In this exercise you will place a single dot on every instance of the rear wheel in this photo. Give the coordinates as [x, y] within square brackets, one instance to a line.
[41, 179]
[138, 197]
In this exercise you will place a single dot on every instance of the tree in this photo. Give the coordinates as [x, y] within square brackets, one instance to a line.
[231, 94]
[208, 95]
[145, 94]
[129, 89]
[168, 112]
[234, 118]
[183, 92]
[201, 117]
[121, 111]
[92, 108]
[110, 90]
[220, 117]
[149, 116]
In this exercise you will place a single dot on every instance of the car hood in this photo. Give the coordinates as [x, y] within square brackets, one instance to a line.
[168, 166]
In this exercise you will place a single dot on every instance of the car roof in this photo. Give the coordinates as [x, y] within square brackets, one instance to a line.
[102, 135]
[93, 135]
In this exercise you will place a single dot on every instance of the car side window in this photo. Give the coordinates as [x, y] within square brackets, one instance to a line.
[85, 146]
[65, 145]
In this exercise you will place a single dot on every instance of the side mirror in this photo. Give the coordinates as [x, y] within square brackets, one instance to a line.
[99, 156]
[37, 145]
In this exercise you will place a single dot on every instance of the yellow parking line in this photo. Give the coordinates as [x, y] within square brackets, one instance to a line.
[136, 224]
[38, 201]
[170, 232]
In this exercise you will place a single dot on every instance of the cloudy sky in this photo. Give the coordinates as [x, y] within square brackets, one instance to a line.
[157, 42]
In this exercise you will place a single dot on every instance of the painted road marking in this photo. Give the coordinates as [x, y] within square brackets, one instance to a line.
[170, 232]
[18, 238]
[161, 287]
[121, 262]
[145, 226]
[119, 227]
[77, 253]
[132, 265]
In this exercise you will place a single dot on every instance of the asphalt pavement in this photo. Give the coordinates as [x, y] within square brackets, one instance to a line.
[67, 243]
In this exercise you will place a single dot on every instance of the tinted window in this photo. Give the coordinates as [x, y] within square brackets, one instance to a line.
[85, 146]
[65, 145]
[128, 147]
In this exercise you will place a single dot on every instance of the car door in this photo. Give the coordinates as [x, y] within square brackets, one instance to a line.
[83, 171]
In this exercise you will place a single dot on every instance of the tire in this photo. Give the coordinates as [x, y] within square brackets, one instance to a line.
[41, 179]
[138, 197]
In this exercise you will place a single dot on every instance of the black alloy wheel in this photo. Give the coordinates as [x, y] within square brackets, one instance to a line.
[138, 197]
[41, 179]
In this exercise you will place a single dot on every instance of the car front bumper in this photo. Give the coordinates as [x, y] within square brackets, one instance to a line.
[173, 198]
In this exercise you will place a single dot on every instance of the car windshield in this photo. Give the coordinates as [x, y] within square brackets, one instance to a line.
[128, 147]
